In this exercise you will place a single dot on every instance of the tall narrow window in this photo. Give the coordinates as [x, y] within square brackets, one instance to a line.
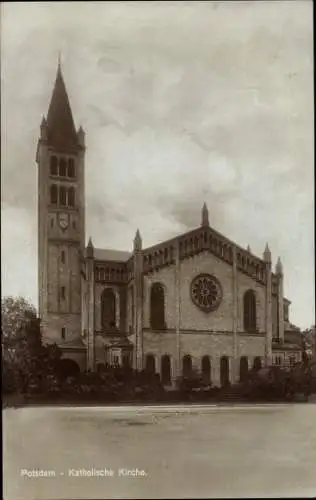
[286, 312]
[63, 293]
[63, 196]
[53, 194]
[62, 256]
[71, 168]
[53, 165]
[157, 307]
[71, 197]
[63, 333]
[108, 309]
[62, 167]
[250, 311]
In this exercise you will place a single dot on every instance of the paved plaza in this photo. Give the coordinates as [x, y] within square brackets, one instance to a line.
[160, 452]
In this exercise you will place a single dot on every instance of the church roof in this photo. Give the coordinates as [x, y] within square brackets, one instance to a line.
[61, 132]
[111, 255]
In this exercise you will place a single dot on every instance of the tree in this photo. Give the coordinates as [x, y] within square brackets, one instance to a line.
[26, 362]
[16, 314]
[309, 342]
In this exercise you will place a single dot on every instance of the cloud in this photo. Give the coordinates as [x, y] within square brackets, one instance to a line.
[204, 102]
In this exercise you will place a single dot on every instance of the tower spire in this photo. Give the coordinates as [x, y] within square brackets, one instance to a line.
[60, 124]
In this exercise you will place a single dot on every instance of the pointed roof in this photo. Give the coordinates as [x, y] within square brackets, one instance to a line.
[267, 254]
[205, 219]
[90, 249]
[279, 267]
[60, 124]
[137, 241]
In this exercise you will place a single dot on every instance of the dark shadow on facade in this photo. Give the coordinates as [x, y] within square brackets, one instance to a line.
[224, 371]
[187, 366]
[243, 369]
[206, 369]
[165, 370]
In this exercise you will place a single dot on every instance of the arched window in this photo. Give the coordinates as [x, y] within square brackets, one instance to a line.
[108, 309]
[71, 168]
[243, 369]
[53, 165]
[224, 371]
[165, 370]
[206, 369]
[250, 311]
[150, 364]
[63, 195]
[53, 194]
[187, 366]
[257, 363]
[71, 196]
[157, 307]
[62, 167]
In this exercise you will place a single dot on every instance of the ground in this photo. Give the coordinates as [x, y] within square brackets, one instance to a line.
[214, 451]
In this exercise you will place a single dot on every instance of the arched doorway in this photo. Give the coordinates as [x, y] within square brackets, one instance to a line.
[224, 371]
[187, 366]
[257, 365]
[165, 370]
[150, 364]
[68, 368]
[243, 369]
[206, 369]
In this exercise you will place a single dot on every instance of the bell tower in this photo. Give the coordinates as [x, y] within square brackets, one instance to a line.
[61, 219]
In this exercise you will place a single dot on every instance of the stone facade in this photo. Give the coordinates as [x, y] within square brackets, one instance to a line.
[218, 303]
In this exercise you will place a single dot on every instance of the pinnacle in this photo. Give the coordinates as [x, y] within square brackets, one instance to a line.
[279, 267]
[205, 218]
[137, 241]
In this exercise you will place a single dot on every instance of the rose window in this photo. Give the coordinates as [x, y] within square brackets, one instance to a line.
[206, 292]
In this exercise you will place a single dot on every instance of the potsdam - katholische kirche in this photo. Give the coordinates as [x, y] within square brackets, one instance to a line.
[195, 303]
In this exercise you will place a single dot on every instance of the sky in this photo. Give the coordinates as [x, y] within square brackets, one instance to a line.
[181, 102]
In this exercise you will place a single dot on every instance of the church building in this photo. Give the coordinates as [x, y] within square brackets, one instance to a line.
[196, 303]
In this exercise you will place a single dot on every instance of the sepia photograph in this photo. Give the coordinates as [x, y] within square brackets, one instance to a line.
[157, 240]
